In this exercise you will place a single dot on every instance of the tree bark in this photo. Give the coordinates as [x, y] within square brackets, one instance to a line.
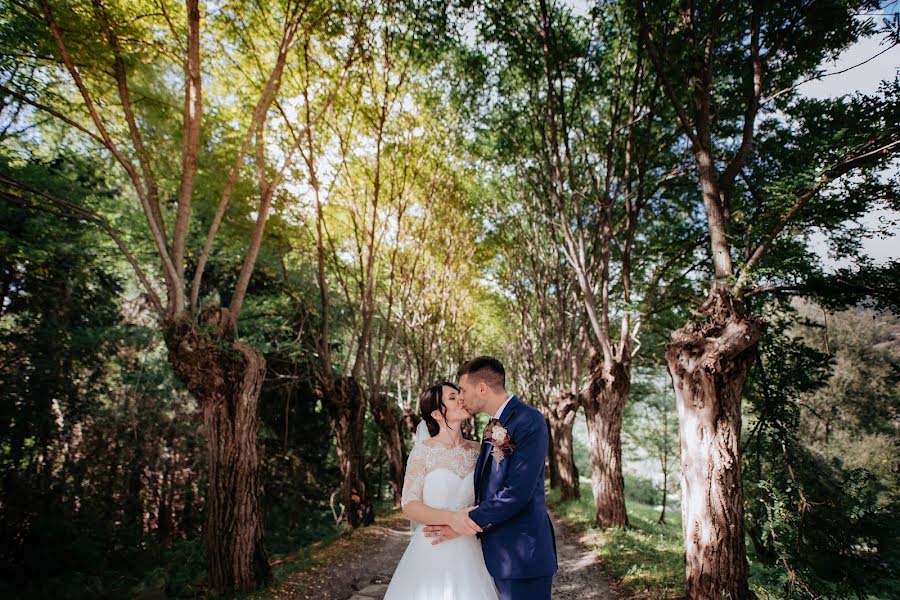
[389, 421]
[347, 409]
[560, 417]
[709, 362]
[608, 392]
[411, 422]
[226, 378]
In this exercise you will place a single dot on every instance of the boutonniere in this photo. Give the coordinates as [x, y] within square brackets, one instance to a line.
[501, 444]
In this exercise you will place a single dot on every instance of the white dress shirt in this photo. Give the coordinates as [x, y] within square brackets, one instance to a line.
[502, 406]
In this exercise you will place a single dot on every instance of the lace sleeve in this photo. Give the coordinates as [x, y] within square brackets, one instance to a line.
[416, 470]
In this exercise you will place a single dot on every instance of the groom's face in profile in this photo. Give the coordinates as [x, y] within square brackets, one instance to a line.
[469, 395]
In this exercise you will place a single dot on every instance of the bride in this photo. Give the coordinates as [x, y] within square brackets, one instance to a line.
[439, 490]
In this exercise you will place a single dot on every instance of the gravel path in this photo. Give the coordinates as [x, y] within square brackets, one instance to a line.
[365, 574]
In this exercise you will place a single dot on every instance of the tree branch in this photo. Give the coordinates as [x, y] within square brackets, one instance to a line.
[79, 212]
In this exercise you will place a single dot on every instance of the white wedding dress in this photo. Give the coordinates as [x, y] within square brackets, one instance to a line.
[452, 570]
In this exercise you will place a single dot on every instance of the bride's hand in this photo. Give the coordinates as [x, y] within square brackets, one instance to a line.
[441, 533]
[461, 523]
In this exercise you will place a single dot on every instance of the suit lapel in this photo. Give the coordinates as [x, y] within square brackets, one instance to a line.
[479, 466]
[484, 457]
[510, 410]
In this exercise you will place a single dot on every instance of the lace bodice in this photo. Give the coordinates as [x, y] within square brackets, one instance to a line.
[442, 491]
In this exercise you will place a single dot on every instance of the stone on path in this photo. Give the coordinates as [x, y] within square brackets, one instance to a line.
[373, 590]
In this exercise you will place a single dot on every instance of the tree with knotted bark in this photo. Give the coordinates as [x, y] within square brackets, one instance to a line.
[767, 165]
[103, 72]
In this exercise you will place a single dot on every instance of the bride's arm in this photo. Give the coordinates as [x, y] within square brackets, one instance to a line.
[457, 520]
[416, 510]
[421, 512]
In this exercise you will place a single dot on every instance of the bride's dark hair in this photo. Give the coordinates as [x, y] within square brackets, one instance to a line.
[431, 400]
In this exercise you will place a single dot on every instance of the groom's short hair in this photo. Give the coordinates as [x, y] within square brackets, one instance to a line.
[484, 368]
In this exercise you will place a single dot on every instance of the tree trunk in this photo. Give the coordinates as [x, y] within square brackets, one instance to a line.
[411, 422]
[389, 421]
[709, 362]
[347, 408]
[561, 418]
[550, 461]
[226, 377]
[609, 388]
[665, 488]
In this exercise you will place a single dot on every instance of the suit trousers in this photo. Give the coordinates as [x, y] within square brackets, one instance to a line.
[535, 588]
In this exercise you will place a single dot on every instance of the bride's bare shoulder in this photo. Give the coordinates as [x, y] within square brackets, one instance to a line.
[473, 444]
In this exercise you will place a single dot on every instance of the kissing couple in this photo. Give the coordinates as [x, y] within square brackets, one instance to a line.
[482, 531]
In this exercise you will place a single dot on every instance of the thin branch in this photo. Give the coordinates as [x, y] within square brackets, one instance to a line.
[158, 237]
[842, 167]
[55, 113]
[81, 212]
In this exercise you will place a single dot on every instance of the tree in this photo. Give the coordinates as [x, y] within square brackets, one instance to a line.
[581, 127]
[549, 348]
[385, 192]
[653, 429]
[725, 69]
[104, 64]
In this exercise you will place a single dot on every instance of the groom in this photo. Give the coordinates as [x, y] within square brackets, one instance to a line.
[511, 514]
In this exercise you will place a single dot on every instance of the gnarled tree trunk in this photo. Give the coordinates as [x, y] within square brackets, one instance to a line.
[226, 377]
[560, 415]
[709, 363]
[389, 420]
[347, 409]
[607, 394]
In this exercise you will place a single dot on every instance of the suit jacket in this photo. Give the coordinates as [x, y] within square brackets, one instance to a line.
[518, 540]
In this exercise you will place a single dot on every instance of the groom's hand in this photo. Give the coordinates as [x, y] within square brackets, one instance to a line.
[462, 524]
[441, 533]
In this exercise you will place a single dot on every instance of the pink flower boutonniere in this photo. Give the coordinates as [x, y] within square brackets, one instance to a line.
[501, 445]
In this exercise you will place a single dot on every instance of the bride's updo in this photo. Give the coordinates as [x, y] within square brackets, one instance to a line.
[432, 400]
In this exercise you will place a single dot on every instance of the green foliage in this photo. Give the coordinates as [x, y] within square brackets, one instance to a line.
[817, 527]
[646, 559]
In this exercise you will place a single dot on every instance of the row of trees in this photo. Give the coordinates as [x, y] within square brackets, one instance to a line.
[309, 125]
[605, 127]
[346, 199]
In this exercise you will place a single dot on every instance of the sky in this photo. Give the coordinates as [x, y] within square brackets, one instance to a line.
[864, 79]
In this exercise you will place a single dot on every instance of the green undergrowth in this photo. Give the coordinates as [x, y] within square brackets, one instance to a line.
[644, 560]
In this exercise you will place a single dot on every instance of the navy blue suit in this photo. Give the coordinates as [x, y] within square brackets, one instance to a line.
[517, 541]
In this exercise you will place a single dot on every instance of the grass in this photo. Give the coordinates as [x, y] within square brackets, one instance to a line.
[645, 560]
[295, 572]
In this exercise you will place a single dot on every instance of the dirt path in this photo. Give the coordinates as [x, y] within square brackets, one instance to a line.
[362, 565]
[580, 575]
[363, 572]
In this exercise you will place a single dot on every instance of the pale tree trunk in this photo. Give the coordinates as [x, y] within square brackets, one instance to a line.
[226, 380]
[709, 363]
[560, 415]
[347, 408]
[603, 408]
[550, 461]
[388, 421]
[662, 513]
